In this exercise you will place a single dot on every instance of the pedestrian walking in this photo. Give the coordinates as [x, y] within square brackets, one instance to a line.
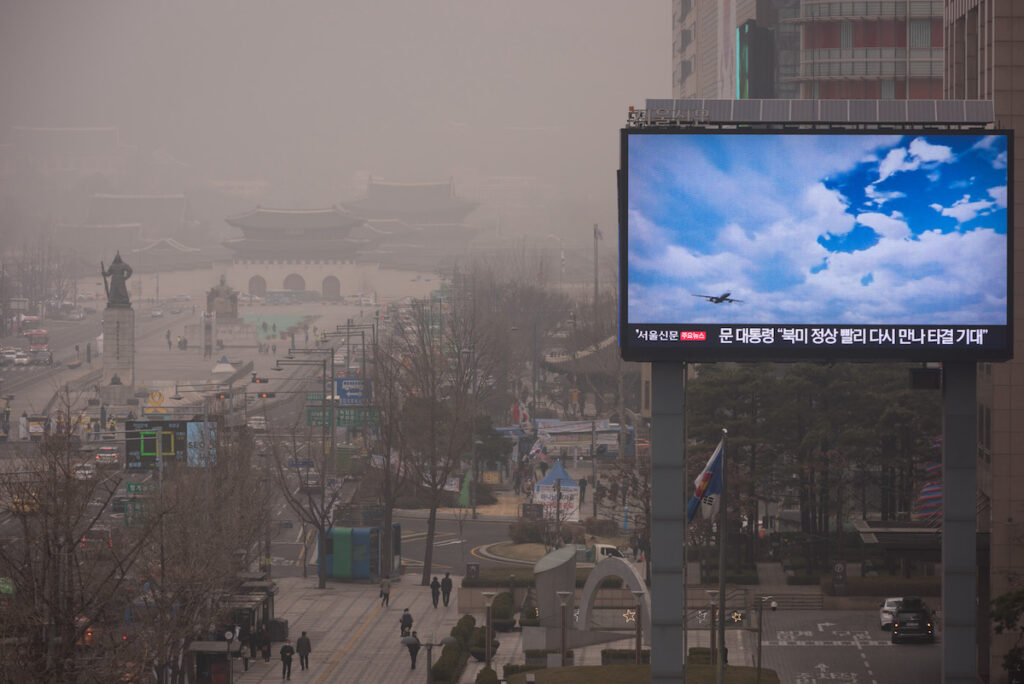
[243, 652]
[265, 644]
[286, 659]
[435, 591]
[414, 649]
[446, 588]
[385, 590]
[406, 622]
[583, 489]
[304, 648]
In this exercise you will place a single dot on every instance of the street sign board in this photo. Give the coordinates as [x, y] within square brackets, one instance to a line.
[353, 391]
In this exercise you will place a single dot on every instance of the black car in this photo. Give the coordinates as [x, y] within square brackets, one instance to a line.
[913, 622]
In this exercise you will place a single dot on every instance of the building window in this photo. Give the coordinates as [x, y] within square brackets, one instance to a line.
[846, 34]
[888, 89]
[920, 33]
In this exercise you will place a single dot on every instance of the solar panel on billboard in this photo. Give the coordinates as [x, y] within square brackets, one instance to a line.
[787, 245]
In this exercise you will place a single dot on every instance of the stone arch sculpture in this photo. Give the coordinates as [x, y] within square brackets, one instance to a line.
[631, 579]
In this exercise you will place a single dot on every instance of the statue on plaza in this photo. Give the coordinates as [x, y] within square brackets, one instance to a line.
[117, 291]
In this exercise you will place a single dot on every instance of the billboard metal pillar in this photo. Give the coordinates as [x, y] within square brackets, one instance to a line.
[959, 524]
[668, 516]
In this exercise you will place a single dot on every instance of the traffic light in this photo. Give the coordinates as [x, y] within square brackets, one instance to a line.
[265, 395]
[223, 395]
[258, 380]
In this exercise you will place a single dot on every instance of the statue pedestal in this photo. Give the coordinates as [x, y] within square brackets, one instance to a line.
[118, 347]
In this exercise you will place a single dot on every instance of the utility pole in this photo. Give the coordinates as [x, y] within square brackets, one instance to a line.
[597, 236]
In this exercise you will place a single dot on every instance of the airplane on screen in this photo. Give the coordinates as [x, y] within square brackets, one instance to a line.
[724, 297]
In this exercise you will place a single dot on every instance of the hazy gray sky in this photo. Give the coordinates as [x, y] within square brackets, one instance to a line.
[306, 93]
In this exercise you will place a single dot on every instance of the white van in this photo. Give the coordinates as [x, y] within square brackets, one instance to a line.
[602, 551]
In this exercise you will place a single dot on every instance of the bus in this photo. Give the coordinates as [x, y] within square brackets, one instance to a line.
[38, 340]
[28, 323]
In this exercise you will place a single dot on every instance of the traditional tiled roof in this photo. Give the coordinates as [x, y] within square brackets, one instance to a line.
[262, 218]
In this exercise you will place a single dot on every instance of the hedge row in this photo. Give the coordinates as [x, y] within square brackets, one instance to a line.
[478, 644]
[503, 617]
[499, 578]
[448, 668]
[626, 656]
[511, 669]
[886, 586]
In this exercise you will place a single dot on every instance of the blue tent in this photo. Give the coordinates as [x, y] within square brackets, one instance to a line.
[555, 473]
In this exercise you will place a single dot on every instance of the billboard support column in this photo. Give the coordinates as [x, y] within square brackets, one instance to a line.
[668, 511]
[959, 523]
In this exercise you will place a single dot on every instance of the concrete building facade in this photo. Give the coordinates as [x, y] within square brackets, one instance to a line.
[985, 60]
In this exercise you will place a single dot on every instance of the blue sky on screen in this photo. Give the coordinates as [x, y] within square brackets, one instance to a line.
[818, 228]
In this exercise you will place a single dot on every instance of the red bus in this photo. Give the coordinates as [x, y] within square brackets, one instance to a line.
[38, 341]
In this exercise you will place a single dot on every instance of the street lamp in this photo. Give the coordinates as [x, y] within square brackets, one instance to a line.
[229, 636]
[563, 599]
[760, 624]
[638, 595]
[488, 600]
[410, 640]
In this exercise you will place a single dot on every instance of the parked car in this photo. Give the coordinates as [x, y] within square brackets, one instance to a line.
[108, 455]
[22, 358]
[887, 611]
[8, 355]
[913, 621]
[156, 313]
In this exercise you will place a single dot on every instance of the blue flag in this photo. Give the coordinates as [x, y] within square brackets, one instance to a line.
[707, 488]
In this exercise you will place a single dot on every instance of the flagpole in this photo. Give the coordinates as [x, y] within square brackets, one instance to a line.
[720, 670]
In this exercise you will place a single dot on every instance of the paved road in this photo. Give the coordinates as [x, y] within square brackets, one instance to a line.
[815, 647]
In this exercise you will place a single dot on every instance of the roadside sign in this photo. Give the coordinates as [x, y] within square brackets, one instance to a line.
[300, 464]
[140, 487]
[353, 391]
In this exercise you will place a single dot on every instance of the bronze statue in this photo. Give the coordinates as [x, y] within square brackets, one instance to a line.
[117, 291]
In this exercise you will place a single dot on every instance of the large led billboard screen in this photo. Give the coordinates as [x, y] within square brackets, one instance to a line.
[788, 245]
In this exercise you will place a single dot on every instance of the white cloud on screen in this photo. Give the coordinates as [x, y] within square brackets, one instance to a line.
[964, 210]
[918, 153]
[907, 274]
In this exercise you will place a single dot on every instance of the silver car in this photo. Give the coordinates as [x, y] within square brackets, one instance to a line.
[887, 612]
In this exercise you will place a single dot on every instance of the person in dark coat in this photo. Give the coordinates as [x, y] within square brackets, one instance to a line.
[385, 590]
[435, 591]
[304, 648]
[446, 588]
[265, 645]
[583, 489]
[286, 659]
[406, 622]
[414, 649]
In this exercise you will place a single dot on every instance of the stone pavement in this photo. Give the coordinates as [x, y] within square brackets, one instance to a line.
[355, 639]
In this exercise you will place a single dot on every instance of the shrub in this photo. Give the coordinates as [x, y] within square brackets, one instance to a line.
[487, 676]
[478, 642]
[463, 631]
[527, 531]
[614, 656]
[502, 613]
[510, 669]
[529, 617]
[499, 577]
[599, 527]
[448, 668]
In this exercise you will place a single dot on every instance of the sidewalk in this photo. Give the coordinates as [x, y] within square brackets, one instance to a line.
[354, 638]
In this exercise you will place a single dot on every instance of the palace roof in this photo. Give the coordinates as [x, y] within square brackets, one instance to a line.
[303, 220]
